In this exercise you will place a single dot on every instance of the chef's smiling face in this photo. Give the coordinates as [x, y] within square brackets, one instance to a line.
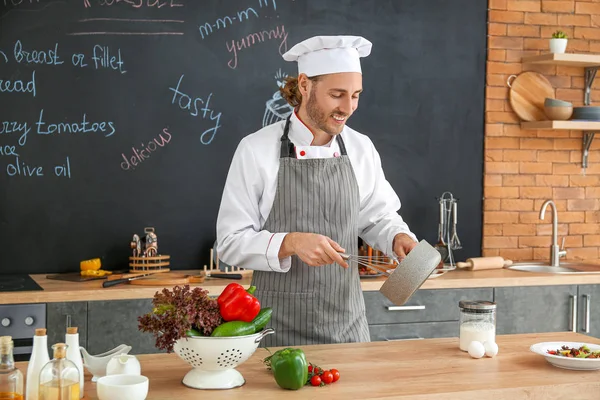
[330, 100]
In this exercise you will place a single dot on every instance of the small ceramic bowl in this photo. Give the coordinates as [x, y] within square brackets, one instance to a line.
[559, 113]
[122, 387]
[549, 102]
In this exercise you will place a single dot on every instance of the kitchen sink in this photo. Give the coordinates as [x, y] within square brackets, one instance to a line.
[565, 267]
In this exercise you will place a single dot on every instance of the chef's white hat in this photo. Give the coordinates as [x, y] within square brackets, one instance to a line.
[322, 55]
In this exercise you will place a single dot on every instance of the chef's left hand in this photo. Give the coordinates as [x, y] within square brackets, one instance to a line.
[402, 245]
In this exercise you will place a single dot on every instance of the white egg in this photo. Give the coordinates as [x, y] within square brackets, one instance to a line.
[476, 349]
[491, 349]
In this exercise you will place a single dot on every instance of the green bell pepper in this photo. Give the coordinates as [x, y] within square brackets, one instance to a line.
[290, 368]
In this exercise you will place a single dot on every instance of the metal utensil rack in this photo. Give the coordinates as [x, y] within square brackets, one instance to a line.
[448, 240]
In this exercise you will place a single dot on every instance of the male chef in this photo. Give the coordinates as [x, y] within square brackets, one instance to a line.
[301, 191]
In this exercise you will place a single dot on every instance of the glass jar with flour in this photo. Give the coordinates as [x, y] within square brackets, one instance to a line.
[477, 322]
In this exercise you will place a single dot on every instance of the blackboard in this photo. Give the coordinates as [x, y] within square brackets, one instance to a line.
[116, 115]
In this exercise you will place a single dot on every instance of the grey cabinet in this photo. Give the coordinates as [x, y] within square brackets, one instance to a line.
[418, 330]
[588, 310]
[428, 314]
[116, 322]
[533, 309]
[58, 316]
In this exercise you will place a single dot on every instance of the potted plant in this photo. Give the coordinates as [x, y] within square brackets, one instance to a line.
[558, 42]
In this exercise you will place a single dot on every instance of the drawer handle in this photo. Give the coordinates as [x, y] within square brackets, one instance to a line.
[573, 322]
[586, 321]
[405, 308]
[405, 338]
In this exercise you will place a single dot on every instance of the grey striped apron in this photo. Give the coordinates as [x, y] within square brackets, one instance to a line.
[324, 304]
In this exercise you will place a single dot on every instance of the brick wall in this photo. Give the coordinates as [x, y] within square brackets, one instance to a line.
[523, 168]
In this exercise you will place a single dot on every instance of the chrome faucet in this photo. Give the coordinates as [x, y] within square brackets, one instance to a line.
[555, 252]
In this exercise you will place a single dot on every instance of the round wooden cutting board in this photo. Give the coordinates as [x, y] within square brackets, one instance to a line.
[527, 94]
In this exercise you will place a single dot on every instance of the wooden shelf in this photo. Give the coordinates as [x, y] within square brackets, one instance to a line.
[562, 125]
[569, 59]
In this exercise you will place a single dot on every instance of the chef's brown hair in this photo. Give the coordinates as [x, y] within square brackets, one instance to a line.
[290, 91]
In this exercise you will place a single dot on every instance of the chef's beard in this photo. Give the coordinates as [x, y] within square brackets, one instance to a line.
[320, 118]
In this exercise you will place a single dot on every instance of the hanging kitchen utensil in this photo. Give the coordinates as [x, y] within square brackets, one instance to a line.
[441, 245]
[527, 94]
[454, 240]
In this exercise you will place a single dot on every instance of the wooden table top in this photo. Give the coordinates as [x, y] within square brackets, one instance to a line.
[59, 291]
[423, 369]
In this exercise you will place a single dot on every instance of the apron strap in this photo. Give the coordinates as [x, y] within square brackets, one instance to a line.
[289, 150]
[287, 147]
[341, 144]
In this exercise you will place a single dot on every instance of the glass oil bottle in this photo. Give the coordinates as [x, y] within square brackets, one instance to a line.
[59, 379]
[11, 379]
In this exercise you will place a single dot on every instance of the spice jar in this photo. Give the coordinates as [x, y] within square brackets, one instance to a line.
[477, 322]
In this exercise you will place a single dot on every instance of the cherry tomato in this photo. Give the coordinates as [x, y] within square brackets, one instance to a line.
[310, 368]
[315, 380]
[327, 377]
[336, 374]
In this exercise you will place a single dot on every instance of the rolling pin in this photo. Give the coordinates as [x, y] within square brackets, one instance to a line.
[479, 263]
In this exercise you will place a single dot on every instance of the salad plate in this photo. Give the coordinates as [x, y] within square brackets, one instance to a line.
[570, 355]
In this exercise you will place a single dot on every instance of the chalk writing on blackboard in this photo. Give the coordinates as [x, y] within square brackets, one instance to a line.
[277, 108]
[44, 128]
[15, 3]
[185, 102]
[138, 3]
[49, 57]
[154, 23]
[19, 167]
[103, 58]
[4, 56]
[223, 22]
[254, 38]
[8, 150]
[23, 129]
[63, 170]
[18, 86]
[141, 154]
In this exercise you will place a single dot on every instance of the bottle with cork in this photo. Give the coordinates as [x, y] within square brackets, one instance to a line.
[59, 378]
[39, 358]
[11, 379]
[74, 354]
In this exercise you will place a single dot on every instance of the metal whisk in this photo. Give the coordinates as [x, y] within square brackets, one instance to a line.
[376, 263]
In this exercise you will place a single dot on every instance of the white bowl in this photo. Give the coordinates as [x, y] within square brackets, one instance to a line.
[122, 387]
[579, 364]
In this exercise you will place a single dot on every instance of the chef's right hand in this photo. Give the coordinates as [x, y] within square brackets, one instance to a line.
[314, 249]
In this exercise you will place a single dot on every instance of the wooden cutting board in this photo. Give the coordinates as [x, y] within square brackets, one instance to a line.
[74, 277]
[527, 94]
[162, 279]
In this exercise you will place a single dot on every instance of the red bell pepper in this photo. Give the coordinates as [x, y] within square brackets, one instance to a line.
[237, 304]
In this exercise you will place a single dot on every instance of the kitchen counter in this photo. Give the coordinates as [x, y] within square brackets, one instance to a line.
[61, 291]
[427, 369]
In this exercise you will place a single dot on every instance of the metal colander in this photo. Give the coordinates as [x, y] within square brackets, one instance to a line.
[214, 359]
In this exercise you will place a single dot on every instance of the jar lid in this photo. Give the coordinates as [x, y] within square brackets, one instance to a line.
[479, 305]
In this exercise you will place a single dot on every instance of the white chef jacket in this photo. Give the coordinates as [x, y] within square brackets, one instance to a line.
[252, 182]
